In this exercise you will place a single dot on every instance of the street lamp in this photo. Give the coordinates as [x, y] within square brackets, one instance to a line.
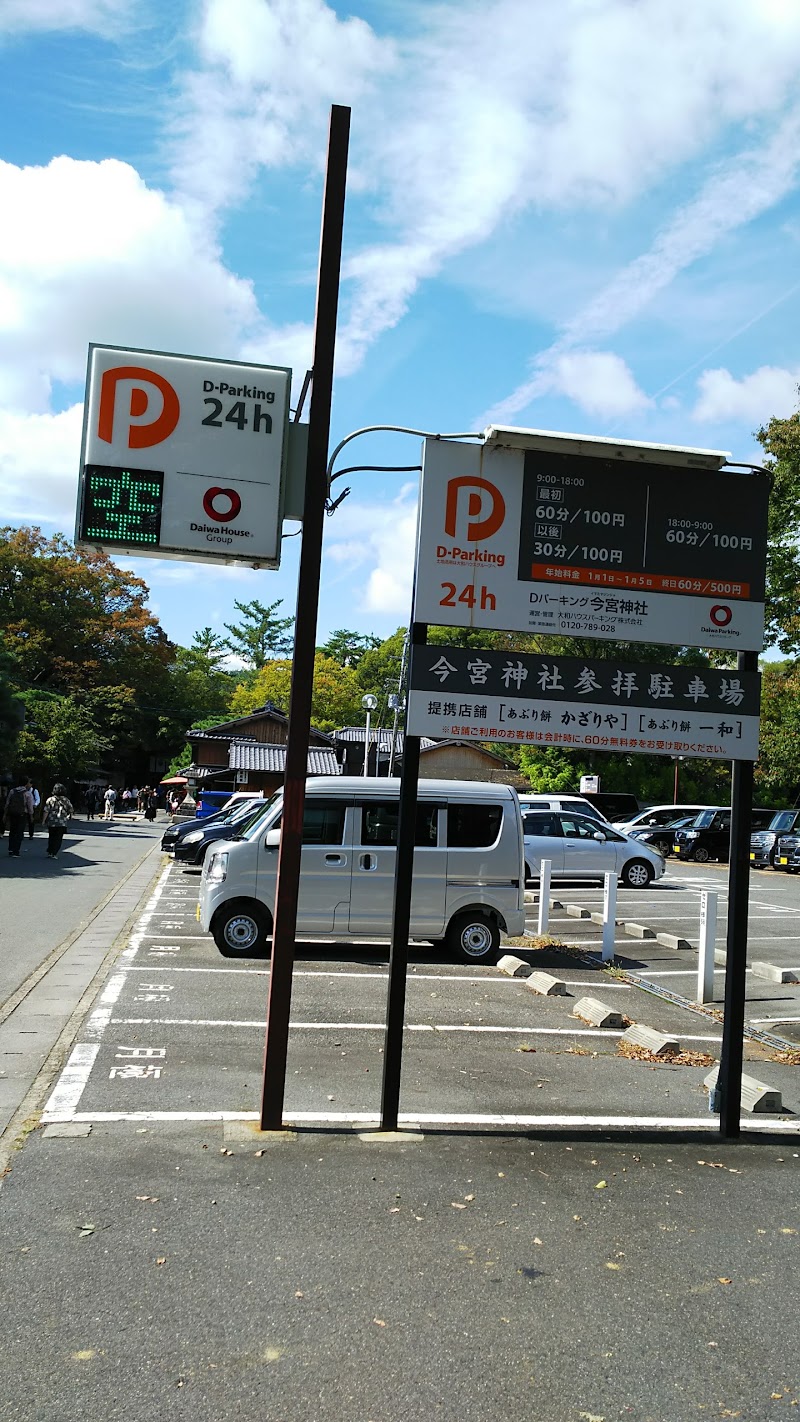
[678, 760]
[368, 703]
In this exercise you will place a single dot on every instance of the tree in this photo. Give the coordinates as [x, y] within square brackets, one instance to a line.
[260, 635]
[780, 440]
[75, 620]
[336, 699]
[777, 772]
[210, 649]
[60, 739]
[348, 648]
[12, 710]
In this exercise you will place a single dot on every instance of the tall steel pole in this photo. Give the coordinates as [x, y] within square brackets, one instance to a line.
[729, 1081]
[316, 491]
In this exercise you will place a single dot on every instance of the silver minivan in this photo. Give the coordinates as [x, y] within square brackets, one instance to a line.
[468, 868]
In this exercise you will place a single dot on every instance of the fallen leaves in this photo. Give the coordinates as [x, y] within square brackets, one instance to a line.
[724, 1281]
[611, 1265]
[601, 1185]
[150, 1199]
[457, 1205]
[633, 1052]
[162, 1260]
[381, 1322]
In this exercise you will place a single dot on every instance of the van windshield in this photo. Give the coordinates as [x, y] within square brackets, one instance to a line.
[705, 819]
[783, 821]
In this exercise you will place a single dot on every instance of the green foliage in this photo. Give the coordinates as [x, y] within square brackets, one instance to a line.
[777, 773]
[780, 440]
[336, 699]
[260, 635]
[349, 648]
[60, 740]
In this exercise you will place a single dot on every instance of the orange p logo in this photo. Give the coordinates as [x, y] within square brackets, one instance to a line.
[153, 431]
[478, 527]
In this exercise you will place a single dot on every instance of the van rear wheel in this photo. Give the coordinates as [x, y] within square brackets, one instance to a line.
[241, 931]
[474, 938]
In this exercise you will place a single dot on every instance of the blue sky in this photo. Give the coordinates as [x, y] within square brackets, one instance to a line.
[580, 216]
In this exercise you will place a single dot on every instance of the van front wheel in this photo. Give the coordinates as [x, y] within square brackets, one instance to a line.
[241, 930]
[474, 938]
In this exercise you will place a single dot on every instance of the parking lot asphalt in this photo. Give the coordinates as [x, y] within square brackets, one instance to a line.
[177, 1033]
[673, 906]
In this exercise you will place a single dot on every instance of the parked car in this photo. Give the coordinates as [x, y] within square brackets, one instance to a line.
[764, 842]
[613, 805]
[656, 816]
[174, 832]
[709, 835]
[579, 847]
[661, 837]
[209, 801]
[576, 804]
[192, 848]
[787, 853]
[468, 868]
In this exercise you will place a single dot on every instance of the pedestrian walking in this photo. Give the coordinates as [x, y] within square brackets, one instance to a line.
[37, 800]
[91, 802]
[18, 813]
[58, 812]
[109, 800]
[152, 806]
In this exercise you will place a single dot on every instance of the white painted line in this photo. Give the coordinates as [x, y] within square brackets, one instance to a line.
[70, 1085]
[702, 1123]
[98, 1020]
[774, 1020]
[381, 1027]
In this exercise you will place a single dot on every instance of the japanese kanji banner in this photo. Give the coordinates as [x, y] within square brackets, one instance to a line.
[584, 704]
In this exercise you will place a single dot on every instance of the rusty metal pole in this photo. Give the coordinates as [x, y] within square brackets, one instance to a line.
[316, 491]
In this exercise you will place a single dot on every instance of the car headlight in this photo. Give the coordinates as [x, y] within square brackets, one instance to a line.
[194, 837]
[217, 868]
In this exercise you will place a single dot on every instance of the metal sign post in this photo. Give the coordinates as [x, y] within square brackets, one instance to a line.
[729, 1081]
[286, 892]
[401, 919]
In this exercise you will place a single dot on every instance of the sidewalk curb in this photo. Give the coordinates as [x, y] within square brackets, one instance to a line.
[22, 1122]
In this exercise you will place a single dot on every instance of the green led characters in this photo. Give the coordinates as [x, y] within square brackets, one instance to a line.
[122, 506]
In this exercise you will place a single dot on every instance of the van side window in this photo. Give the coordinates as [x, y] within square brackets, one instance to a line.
[473, 826]
[379, 823]
[323, 821]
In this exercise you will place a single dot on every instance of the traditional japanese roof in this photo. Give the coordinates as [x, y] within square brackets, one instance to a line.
[260, 756]
[382, 737]
[226, 729]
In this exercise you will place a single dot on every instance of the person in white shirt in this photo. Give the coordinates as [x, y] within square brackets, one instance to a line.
[109, 800]
[37, 800]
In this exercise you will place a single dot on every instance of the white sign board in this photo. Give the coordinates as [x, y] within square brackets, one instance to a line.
[542, 541]
[590, 784]
[183, 457]
[599, 704]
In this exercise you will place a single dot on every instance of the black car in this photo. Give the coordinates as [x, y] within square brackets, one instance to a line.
[709, 835]
[192, 848]
[178, 831]
[787, 853]
[662, 837]
[764, 842]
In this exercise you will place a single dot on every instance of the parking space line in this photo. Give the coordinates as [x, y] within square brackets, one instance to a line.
[254, 1022]
[71, 1083]
[422, 1119]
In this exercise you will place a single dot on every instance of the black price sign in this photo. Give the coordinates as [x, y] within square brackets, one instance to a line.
[121, 506]
[655, 527]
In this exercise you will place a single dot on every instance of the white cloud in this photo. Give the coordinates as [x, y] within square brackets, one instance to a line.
[480, 111]
[755, 398]
[93, 253]
[39, 460]
[737, 193]
[380, 540]
[101, 16]
[599, 382]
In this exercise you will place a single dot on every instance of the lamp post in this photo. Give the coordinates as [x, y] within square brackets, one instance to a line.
[368, 702]
[678, 760]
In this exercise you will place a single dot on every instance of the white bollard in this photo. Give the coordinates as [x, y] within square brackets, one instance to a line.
[708, 934]
[544, 895]
[609, 915]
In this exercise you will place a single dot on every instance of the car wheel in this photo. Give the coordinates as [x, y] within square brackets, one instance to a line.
[474, 937]
[700, 855]
[241, 931]
[637, 874]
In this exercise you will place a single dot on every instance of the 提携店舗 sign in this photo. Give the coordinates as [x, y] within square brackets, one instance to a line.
[183, 457]
[583, 704]
[653, 545]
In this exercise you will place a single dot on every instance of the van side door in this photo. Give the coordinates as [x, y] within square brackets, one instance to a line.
[374, 857]
[325, 865]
